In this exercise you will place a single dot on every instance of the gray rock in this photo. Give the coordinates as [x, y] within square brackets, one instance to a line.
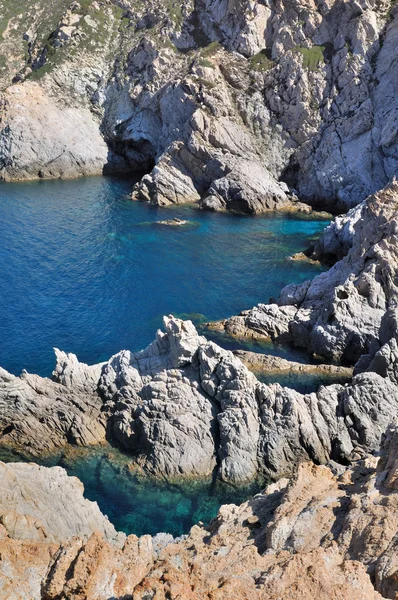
[38, 415]
[311, 101]
[184, 406]
[348, 311]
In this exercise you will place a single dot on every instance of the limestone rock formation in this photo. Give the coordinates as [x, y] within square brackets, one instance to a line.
[217, 102]
[44, 138]
[55, 543]
[348, 312]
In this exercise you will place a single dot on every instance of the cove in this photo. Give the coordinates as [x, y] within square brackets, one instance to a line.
[87, 270]
[139, 504]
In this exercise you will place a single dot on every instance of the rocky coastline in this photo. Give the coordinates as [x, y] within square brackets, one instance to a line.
[185, 407]
[328, 532]
[346, 314]
[267, 364]
[246, 108]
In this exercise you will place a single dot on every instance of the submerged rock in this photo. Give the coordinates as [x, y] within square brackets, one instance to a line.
[173, 222]
[269, 364]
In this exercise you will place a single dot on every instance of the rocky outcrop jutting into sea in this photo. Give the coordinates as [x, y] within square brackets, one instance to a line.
[185, 406]
[349, 312]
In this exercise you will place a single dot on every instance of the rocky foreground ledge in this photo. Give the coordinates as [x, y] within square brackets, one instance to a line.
[329, 532]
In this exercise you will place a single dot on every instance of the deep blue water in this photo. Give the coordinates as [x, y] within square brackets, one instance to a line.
[85, 269]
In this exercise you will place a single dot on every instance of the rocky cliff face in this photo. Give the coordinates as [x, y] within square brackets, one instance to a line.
[326, 533]
[45, 504]
[218, 102]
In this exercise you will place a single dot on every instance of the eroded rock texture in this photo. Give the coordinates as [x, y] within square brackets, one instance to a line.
[38, 503]
[185, 406]
[348, 313]
[56, 544]
[329, 532]
[40, 415]
[218, 102]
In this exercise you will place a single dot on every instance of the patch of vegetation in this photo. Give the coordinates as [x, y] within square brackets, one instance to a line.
[96, 30]
[206, 63]
[173, 8]
[18, 17]
[210, 50]
[312, 57]
[39, 73]
[261, 62]
[167, 43]
[206, 83]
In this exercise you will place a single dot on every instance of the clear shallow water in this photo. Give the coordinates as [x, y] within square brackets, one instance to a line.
[141, 505]
[88, 271]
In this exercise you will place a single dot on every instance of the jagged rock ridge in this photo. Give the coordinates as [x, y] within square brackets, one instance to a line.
[185, 406]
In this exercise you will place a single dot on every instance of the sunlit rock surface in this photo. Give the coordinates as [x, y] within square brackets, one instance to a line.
[329, 532]
[348, 313]
[184, 406]
[219, 103]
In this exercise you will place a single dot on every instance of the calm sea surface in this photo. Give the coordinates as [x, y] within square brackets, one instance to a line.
[87, 270]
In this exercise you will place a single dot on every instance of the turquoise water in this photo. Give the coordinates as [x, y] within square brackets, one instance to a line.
[85, 269]
[142, 505]
[305, 383]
